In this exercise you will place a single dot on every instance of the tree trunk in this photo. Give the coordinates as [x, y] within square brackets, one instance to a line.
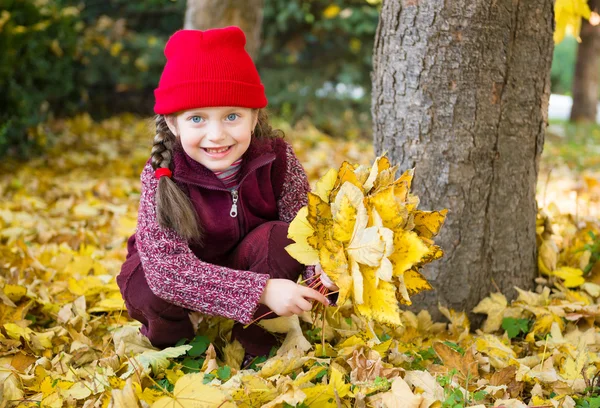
[587, 68]
[246, 14]
[460, 92]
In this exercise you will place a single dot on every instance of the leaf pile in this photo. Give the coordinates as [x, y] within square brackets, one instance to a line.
[66, 340]
[364, 228]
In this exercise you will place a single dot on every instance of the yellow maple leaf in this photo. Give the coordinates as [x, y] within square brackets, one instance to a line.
[14, 292]
[320, 218]
[573, 368]
[393, 213]
[379, 301]
[11, 387]
[381, 164]
[414, 283]
[347, 210]
[346, 173]
[403, 184]
[325, 184]
[16, 332]
[494, 306]
[429, 223]
[190, 391]
[325, 396]
[543, 324]
[572, 277]
[288, 393]
[400, 396]
[547, 256]
[299, 231]
[367, 246]
[500, 354]
[386, 176]
[409, 249]
[335, 265]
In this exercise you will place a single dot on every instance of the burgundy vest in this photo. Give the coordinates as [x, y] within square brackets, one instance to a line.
[260, 184]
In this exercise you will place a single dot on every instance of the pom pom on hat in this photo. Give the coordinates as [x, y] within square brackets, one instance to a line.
[208, 68]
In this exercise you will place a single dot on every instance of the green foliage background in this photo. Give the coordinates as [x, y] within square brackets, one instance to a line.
[105, 57]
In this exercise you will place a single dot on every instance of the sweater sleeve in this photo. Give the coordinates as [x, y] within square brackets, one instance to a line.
[294, 193]
[176, 275]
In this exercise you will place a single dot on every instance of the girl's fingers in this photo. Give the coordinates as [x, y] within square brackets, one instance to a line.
[304, 304]
[313, 294]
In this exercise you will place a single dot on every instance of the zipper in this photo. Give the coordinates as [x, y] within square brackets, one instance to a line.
[233, 212]
[234, 198]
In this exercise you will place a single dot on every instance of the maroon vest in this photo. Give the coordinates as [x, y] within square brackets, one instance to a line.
[260, 184]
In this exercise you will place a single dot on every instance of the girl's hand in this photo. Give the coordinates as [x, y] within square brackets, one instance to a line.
[287, 298]
[328, 283]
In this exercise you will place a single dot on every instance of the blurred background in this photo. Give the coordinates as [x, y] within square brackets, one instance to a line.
[103, 58]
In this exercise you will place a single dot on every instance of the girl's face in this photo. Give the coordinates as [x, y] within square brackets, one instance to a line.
[215, 137]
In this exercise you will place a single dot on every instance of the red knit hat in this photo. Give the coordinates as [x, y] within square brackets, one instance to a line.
[208, 68]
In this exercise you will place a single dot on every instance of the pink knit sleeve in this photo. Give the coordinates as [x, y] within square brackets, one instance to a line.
[176, 275]
[295, 187]
[294, 193]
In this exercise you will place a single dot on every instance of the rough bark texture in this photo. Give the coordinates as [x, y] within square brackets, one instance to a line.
[587, 69]
[246, 14]
[460, 92]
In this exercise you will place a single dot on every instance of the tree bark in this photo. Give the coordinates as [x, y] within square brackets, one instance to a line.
[587, 69]
[460, 93]
[246, 14]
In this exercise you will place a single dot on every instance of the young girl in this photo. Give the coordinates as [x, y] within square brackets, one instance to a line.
[217, 196]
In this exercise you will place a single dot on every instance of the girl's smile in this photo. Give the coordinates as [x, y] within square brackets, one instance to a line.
[217, 152]
[215, 137]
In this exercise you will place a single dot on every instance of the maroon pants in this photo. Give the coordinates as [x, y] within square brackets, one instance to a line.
[262, 250]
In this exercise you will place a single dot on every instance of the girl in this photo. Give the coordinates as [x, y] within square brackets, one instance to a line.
[217, 195]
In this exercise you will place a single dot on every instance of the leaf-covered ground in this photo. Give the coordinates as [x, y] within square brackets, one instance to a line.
[67, 341]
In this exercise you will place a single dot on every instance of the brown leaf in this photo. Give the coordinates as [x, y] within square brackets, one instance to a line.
[367, 367]
[465, 365]
[21, 361]
[504, 376]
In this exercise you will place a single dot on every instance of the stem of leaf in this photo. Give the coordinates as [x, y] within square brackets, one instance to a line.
[258, 318]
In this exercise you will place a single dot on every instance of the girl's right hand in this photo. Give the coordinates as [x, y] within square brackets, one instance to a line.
[287, 298]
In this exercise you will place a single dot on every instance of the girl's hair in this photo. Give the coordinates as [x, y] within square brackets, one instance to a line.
[173, 207]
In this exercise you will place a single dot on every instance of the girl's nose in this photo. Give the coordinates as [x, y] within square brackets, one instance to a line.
[215, 133]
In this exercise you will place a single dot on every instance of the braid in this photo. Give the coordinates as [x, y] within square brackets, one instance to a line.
[173, 208]
[163, 144]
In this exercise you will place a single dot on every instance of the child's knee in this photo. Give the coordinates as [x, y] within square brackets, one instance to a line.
[282, 264]
[166, 333]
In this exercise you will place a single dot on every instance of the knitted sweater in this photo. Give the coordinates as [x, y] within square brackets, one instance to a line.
[271, 174]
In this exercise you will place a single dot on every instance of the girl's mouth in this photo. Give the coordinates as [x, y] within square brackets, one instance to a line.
[218, 151]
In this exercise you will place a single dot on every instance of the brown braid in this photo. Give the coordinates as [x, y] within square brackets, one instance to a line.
[174, 208]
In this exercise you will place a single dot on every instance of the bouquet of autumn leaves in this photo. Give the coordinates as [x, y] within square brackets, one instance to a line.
[362, 225]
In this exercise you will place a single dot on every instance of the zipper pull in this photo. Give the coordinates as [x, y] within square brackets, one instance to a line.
[234, 196]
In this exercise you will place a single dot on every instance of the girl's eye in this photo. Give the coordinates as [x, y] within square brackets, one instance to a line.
[232, 116]
[196, 119]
